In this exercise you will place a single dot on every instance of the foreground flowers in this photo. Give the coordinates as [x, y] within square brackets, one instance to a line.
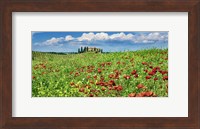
[125, 74]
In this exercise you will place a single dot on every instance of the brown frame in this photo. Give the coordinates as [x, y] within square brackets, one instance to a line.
[9, 6]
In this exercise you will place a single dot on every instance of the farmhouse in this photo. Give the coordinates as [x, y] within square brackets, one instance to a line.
[90, 49]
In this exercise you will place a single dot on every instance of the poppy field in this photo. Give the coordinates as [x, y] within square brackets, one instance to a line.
[142, 73]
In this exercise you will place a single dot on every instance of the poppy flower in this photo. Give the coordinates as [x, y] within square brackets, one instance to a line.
[154, 70]
[110, 88]
[140, 86]
[151, 73]
[81, 90]
[119, 88]
[163, 72]
[116, 76]
[115, 87]
[99, 70]
[111, 75]
[127, 77]
[136, 75]
[91, 95]
[132, 95]
[165, 78]
[133, 72]
[148, 77]
[95, 77]
[77, 74]
[148, 93]
[155, 79]
[103, 88]
[111, 83]
[157, 67]
[102, 83]
[108, 63]
[144, 63]
[142, 94]
[146, 70]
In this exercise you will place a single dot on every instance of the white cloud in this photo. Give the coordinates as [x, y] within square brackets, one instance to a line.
[102, 36]
[69, 38]
[91, 36]
[86, 37]
[53, 41]
[122, 36]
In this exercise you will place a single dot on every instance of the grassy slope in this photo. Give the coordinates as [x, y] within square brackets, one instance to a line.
[54, 74]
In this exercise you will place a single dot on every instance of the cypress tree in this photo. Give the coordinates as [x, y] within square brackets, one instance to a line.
[78, 50]
[87, 49]
[81, 49]
[84, 49]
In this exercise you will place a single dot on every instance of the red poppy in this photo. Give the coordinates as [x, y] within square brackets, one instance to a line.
[102, 83]
[77, 74]
[127, 77]
[108, 63]
[148, 77]
[95, 76]
[140, 86]
[111, 75]
[151, 73]
[165, 78]
[110, 88]
[142, 94]
[148, 93]
[132, 95]
[103, 88]
[163, 72]
[81, 90]
[119, 88]
[136, 76]
[133, 72]
[144, 63]
[111, 83]
[91, 95]
[99, 70]
[155, 79]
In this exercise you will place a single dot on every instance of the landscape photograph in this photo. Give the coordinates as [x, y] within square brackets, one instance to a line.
[100, 64]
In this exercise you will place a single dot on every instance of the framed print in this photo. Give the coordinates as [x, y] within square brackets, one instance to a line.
[99, 64]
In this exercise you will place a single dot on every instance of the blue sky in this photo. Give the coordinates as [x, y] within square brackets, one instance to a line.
[108, 41]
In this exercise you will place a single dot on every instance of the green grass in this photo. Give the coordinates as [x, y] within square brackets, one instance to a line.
[90, 74]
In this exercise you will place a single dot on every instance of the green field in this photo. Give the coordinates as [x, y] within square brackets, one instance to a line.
[142, 73]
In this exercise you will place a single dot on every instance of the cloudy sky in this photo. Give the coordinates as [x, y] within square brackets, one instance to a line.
[108, 41]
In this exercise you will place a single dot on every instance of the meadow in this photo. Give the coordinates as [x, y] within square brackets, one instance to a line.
[142, 73]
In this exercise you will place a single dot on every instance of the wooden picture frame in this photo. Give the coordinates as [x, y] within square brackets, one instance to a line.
[9, 6]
